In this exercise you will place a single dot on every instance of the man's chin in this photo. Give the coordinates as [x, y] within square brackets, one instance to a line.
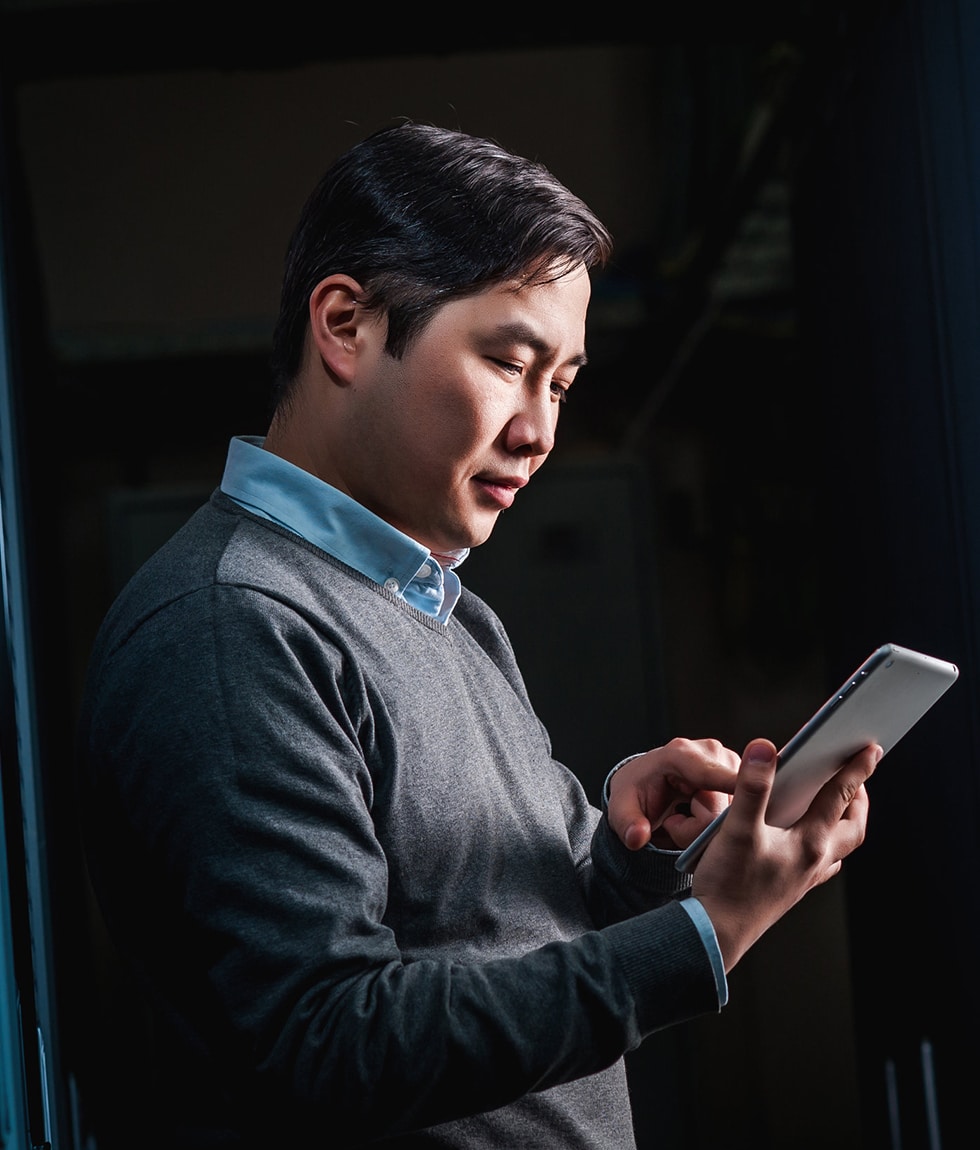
[471, 534]
[480, 534]
[458, 535]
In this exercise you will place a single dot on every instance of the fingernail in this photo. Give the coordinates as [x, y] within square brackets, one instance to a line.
[759, 753]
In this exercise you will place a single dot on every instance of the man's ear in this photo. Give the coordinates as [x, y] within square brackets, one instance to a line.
[338, 324]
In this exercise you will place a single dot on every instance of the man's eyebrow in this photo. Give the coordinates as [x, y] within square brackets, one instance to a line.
[523, 333]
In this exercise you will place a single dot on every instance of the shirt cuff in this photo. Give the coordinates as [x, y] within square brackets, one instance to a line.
[699, 916]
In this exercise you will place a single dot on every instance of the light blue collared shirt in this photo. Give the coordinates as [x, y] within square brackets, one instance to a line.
[271, 487]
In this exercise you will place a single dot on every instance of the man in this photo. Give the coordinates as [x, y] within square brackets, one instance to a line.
[323, 820]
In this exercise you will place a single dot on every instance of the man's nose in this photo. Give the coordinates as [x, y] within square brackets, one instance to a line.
[531, 430]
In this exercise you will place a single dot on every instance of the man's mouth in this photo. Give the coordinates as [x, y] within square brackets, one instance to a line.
[501, 489]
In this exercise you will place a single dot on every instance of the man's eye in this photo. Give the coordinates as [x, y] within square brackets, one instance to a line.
[506, 365]
[560, 391]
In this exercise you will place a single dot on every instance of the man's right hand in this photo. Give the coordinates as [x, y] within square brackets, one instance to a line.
[668, 795]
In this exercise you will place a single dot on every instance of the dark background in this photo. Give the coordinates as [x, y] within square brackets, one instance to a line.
[767, 470]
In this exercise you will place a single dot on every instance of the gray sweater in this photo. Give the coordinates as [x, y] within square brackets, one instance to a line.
[367, 904]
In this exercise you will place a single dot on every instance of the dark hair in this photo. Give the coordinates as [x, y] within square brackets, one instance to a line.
[420, 215]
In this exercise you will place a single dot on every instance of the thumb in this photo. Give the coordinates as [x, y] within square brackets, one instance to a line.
[755, 778]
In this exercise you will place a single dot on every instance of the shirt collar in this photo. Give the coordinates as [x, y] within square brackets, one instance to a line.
[286, 494]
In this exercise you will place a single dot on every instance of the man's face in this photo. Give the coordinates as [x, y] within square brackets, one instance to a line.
[441, 441]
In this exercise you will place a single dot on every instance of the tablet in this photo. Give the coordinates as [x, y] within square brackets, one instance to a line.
[884, 698]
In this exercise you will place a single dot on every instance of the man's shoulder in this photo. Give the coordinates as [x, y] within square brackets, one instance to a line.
[226, 559]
